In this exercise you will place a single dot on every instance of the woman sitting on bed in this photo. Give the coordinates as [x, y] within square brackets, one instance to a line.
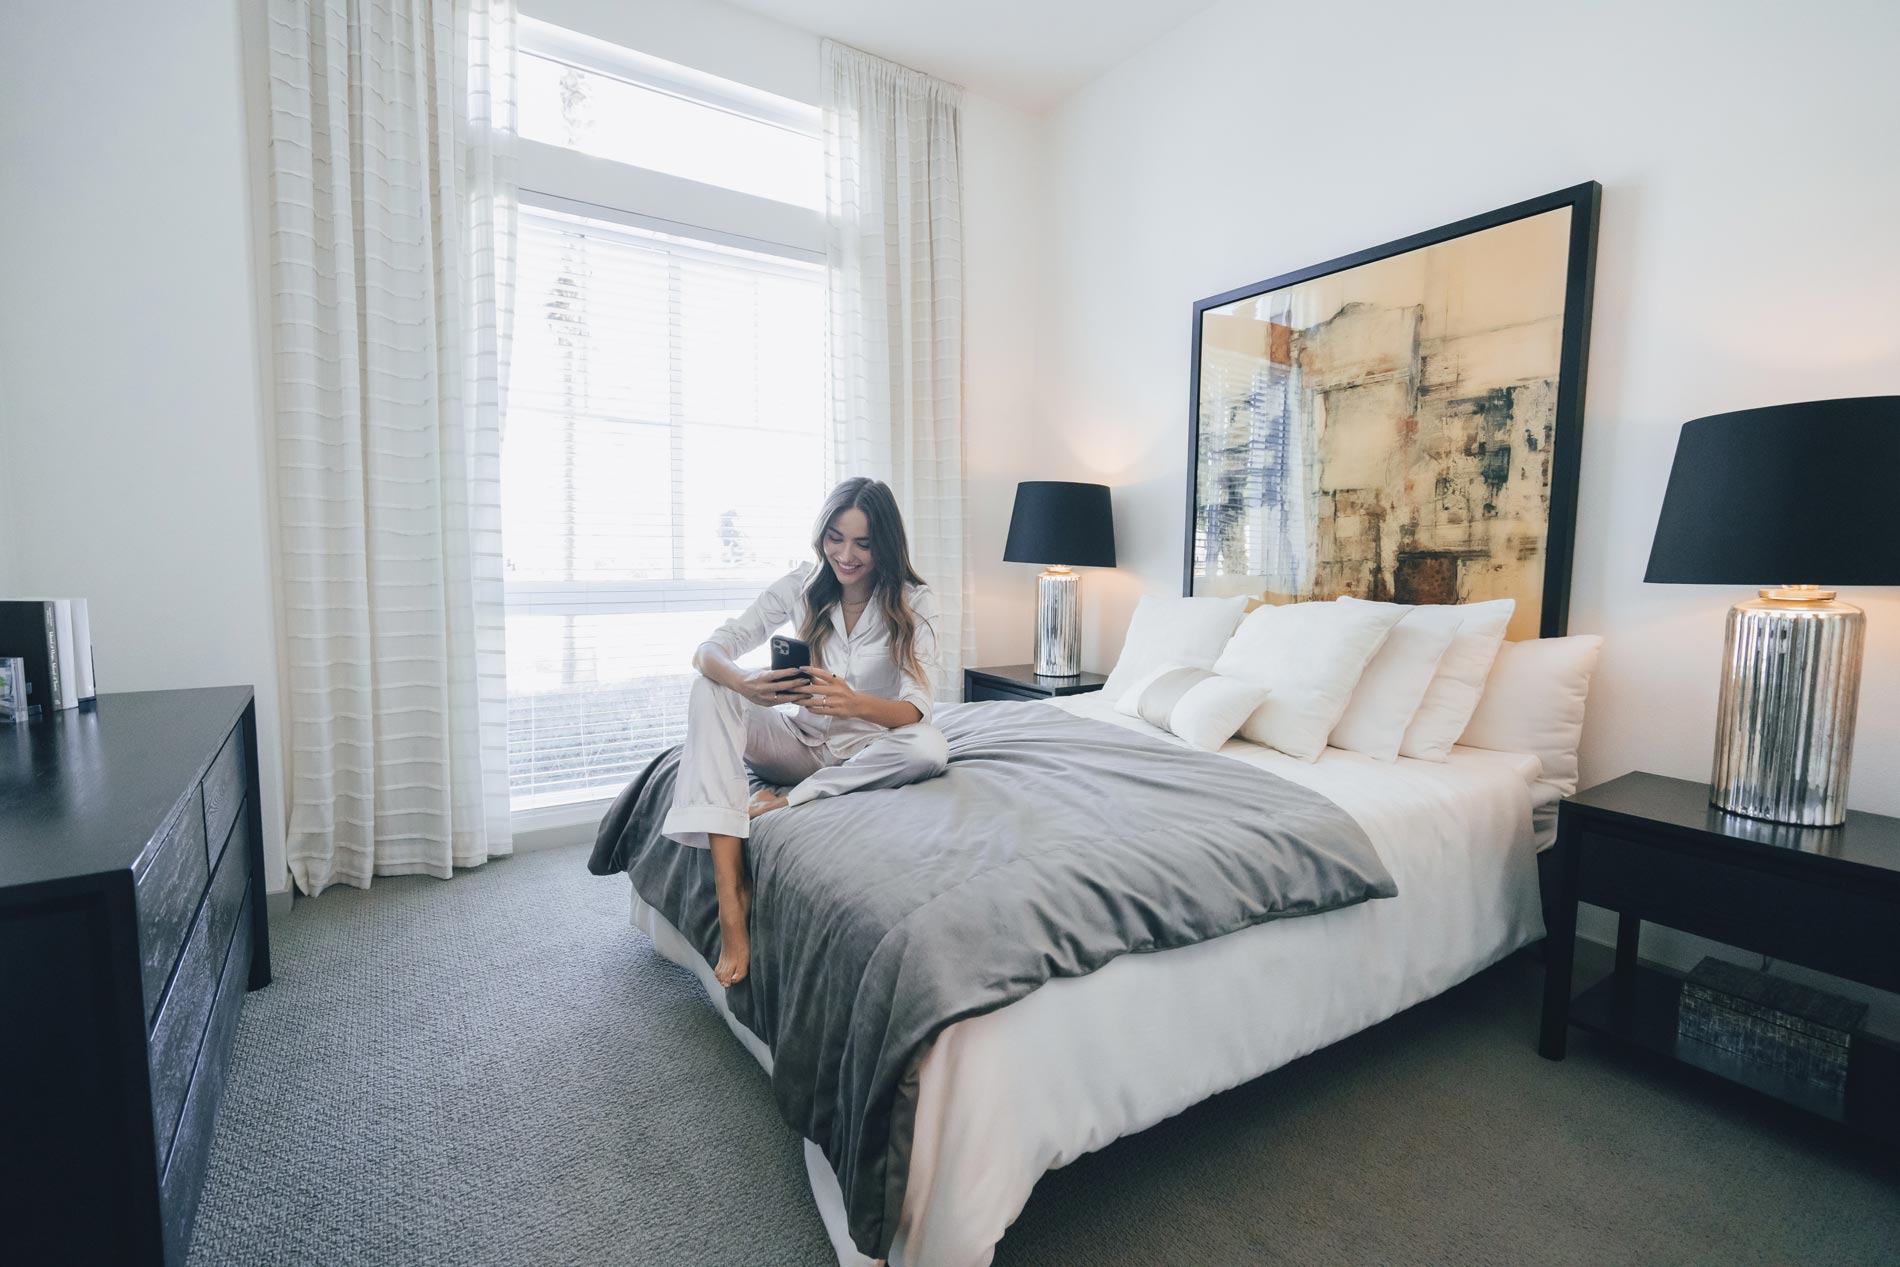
[865, 613]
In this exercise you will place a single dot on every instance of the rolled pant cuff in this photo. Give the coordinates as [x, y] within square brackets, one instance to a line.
[691, 824]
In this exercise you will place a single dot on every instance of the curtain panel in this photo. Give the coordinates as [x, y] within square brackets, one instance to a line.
[894, 204]
[391, 240]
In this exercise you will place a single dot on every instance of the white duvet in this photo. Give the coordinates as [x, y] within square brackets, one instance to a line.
[1081, 1062]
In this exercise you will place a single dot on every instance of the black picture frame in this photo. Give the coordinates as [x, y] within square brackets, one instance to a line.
[1585, 202]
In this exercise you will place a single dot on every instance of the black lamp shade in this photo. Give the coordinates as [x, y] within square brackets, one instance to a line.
[1058, 522]
[1789, 495]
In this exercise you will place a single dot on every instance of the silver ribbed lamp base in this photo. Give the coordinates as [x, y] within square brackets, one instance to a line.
[1058, 623]
[1785, 726]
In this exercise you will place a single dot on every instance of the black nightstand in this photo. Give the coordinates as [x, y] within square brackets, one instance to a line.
[1021, 681]
[1654, 849]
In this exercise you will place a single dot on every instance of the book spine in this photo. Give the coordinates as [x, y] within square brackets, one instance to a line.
[82, 651]
[53, 685]
[63, 628]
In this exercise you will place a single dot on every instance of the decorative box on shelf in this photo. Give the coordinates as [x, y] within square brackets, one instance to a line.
[1771, 1022]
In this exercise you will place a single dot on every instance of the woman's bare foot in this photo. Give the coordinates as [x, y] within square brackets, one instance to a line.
[735, 945]
[764, 801]
[735, 904]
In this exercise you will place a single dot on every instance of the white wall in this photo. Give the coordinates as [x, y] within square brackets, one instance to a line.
[130, 397]
[1004, 164]
[1002, 223]
[1748, 255]
[8, 532]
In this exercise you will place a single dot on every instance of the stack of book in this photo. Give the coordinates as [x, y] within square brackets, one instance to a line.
[52, 638]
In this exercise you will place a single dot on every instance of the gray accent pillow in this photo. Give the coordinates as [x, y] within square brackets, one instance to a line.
[1194, 704]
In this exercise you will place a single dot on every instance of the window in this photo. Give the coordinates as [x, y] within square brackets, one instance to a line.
[664, 445]
[616, 104]
[663, 455]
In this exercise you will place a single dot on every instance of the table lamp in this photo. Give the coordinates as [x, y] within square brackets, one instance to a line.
[1066, 526]
[1785, 497]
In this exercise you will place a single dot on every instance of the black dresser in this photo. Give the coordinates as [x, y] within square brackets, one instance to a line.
[132, 922]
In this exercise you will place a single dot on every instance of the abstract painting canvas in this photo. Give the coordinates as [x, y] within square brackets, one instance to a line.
[1402, 424]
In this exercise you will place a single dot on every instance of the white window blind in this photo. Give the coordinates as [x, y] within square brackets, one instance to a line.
[663, 457]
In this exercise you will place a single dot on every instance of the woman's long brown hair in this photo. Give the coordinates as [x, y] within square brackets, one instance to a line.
[890, 572]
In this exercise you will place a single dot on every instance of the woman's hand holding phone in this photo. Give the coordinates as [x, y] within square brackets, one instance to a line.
[831, 696]
[767, 687]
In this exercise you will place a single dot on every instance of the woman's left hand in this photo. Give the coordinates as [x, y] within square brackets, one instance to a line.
[831, 696]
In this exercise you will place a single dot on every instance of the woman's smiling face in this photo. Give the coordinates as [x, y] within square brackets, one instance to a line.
[848, 546]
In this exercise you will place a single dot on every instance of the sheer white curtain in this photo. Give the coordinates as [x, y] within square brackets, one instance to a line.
[392, 239]
[894, 202]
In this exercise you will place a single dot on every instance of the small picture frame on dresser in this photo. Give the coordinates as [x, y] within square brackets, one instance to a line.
[1022, 682]
[12, 690]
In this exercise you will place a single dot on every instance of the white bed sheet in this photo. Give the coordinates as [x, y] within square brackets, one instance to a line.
[1082, 1061]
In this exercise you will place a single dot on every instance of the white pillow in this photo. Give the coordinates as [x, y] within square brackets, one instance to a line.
[1309, 656]
[1453, 695]
[1165, 631]
[1394, 684]
[1194, 703]
[1533, 702]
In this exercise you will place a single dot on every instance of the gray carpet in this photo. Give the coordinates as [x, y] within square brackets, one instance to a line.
[498, 1069]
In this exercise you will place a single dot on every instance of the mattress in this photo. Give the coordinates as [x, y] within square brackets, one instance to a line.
[1009, 1095]
[1342, 769]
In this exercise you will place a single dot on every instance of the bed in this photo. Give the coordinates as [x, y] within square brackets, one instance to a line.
[1392, 429]
[1007, 1095]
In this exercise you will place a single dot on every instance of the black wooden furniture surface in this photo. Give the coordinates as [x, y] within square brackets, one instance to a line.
[1653, 849]
[132, 922]
[1021, 681]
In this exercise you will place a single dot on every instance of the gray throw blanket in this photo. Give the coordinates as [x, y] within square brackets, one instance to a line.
[1049, 847]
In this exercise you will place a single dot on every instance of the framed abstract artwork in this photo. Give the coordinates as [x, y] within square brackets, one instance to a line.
[1400, 424]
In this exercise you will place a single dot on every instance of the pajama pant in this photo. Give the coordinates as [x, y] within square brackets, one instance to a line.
[726, 733]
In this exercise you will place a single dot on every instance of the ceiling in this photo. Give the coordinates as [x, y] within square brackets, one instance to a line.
[1026, 53]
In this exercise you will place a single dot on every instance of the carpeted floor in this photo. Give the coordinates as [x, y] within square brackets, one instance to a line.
[499, 1070]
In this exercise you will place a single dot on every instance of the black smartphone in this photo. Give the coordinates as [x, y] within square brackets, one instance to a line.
[791, 653]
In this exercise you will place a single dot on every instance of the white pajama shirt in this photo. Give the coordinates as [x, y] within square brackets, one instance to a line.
[813, 754]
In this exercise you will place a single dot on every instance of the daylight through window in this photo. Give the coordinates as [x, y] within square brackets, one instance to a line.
[662, 459]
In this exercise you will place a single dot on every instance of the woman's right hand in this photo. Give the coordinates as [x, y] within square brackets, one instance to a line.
[767, 687]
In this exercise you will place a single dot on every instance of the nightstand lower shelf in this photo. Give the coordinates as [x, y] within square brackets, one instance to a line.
[1648, 1021]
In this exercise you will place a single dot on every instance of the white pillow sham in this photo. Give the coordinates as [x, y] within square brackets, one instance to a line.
[1534, 702]
[1196, 704]
[1459, 680]
[1394, 683]
[1309, 657]
[1166, 631]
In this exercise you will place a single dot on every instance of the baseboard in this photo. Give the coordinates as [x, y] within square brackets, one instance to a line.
[555, 836]
[575, 829]
[557, 826]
